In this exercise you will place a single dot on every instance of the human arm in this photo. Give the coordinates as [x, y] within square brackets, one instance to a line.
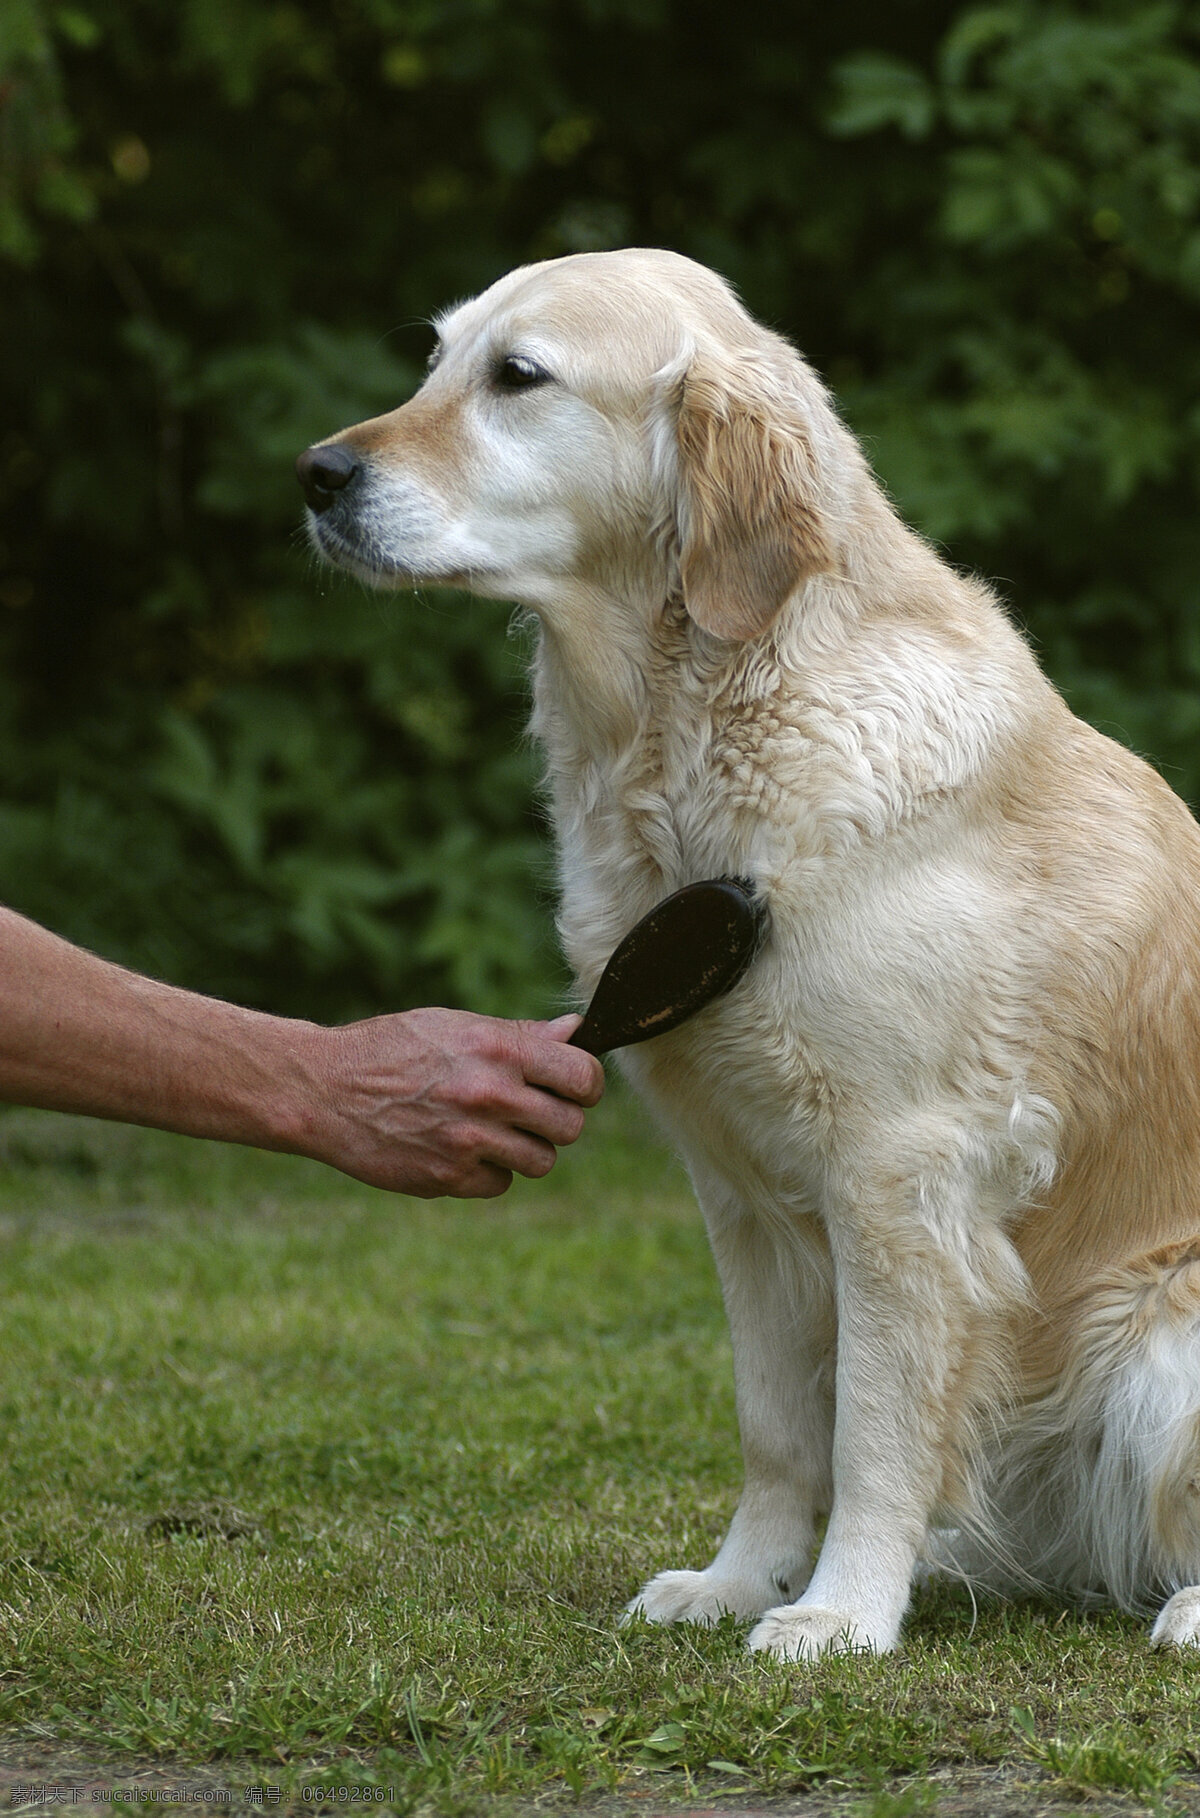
[425, 1101]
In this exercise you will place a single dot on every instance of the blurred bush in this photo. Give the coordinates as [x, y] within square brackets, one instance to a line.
[222, 224]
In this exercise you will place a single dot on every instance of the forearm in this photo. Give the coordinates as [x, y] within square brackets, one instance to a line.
[424, 1101]
[80, 1034]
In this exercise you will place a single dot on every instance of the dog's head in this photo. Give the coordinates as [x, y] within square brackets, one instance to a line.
[614, 421]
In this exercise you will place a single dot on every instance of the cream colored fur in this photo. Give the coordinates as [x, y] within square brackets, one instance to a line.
[946, 1135]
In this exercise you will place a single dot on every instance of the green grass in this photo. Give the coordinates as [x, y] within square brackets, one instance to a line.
[357, 1486]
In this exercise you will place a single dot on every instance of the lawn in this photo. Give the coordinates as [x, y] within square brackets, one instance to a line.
[355, 1487]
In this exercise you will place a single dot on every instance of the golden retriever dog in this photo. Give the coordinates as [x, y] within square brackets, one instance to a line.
[946, 1134]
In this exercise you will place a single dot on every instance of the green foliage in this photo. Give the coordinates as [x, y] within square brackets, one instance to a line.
[224, 224]
[1030, 392]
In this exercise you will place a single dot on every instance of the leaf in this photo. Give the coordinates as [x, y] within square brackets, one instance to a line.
[978, 29]
[874, 91]
[78, 27]
[668, 1739]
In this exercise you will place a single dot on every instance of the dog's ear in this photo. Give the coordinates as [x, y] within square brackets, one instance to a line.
[750, 525]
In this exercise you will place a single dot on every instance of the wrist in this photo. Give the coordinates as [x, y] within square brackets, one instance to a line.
[293, 1110]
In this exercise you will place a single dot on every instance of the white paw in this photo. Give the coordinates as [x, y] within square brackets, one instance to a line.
[794, 1633]
[1178, 1624]
[698, 1597]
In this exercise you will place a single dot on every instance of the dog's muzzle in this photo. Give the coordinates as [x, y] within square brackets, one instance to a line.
[323, 472]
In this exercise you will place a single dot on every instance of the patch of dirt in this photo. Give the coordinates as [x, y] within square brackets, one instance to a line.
[217, 1520]
[37, 1777]
[1019, 1791]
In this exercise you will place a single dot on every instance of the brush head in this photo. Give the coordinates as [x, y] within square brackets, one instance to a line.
[693, 947]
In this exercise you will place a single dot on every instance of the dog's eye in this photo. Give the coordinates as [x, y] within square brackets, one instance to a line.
[515, 373]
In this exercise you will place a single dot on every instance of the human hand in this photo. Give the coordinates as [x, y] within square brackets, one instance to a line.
[434, 1102]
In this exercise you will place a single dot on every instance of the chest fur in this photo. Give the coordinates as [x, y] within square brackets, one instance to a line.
[761, 777]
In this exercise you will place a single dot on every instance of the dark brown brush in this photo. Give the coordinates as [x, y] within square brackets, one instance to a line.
[693, 947]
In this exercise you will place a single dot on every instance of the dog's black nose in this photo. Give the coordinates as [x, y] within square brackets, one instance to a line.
[324, 470]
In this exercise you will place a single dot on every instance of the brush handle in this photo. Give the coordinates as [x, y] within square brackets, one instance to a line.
[690, 949]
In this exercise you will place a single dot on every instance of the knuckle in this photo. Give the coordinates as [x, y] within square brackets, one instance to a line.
[571, 1128]
[541, 1162]
[477, 1090]
[469, 1143]
[585, 1077]
[502, 1038]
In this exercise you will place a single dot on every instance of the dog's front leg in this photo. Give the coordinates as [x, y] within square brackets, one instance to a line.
[917, 1297]
[777, 1283]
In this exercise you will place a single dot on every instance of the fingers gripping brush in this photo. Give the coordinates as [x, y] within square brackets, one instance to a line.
[693, 947]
